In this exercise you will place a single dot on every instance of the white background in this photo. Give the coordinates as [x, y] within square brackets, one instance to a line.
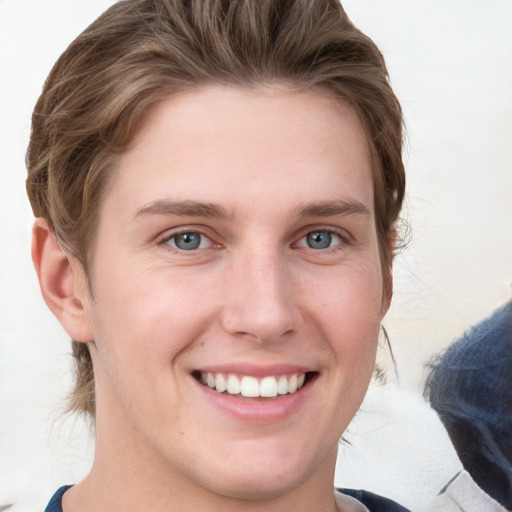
[451, 66]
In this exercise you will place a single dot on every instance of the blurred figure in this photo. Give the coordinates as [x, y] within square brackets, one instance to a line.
[470, 387]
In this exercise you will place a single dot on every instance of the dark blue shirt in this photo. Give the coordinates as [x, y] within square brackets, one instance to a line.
[373, 502]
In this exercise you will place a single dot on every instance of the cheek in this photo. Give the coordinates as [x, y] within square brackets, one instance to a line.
[151, 312]
[349, 297]
[348, 309]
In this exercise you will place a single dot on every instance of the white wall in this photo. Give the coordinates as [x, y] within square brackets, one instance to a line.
[451, 65]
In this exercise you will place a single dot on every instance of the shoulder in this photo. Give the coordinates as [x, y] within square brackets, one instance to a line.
[373, 502]
[462, 493]
[55, 504]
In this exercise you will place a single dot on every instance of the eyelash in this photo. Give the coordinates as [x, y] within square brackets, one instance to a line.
[341, 234]
[344, 239]
[169, 237]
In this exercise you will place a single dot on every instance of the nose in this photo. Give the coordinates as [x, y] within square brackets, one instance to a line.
[260, 301]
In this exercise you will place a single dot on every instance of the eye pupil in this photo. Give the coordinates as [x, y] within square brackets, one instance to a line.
[187, 241]
[319, 239]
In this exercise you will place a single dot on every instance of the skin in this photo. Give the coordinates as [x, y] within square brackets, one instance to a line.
[254, 296]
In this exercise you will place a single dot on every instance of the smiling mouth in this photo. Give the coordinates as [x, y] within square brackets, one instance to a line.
[252, 387]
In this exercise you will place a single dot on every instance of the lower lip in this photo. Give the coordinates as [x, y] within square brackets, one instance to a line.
[258, 411]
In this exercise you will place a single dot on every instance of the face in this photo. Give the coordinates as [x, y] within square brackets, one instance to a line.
[237, 291]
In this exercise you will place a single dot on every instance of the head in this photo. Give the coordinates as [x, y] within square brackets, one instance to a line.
[470, 387]
[130, 63]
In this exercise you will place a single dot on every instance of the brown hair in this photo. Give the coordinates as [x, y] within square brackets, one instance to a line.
[140, 51]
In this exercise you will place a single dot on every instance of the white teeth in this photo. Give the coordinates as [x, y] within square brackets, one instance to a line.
[251, 387]
[233, 386]
[292, 384]
[220, 383]
[268, 387]
[282, 385]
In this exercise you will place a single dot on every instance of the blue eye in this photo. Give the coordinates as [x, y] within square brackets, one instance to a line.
[319, 240]
[189, 241]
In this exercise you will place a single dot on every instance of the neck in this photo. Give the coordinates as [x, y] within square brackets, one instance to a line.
[119, 481]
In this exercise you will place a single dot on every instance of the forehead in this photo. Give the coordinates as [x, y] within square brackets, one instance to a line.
[224, 143]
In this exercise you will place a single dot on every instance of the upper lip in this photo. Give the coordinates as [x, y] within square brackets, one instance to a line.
[255, 370]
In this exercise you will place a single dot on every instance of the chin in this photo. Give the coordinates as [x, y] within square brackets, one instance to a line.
[254, 485]
[270, 470]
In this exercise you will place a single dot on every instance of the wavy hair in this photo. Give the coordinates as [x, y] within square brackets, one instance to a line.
[141, 51]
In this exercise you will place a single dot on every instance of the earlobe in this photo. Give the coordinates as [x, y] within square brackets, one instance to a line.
[62, 284]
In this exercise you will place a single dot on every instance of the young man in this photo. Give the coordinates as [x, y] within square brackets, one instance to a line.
[216, 186]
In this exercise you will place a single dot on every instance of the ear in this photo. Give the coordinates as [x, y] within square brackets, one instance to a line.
[62, 282]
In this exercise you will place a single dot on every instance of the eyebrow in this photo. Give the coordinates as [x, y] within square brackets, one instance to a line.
[185, 209]
[339, 207]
